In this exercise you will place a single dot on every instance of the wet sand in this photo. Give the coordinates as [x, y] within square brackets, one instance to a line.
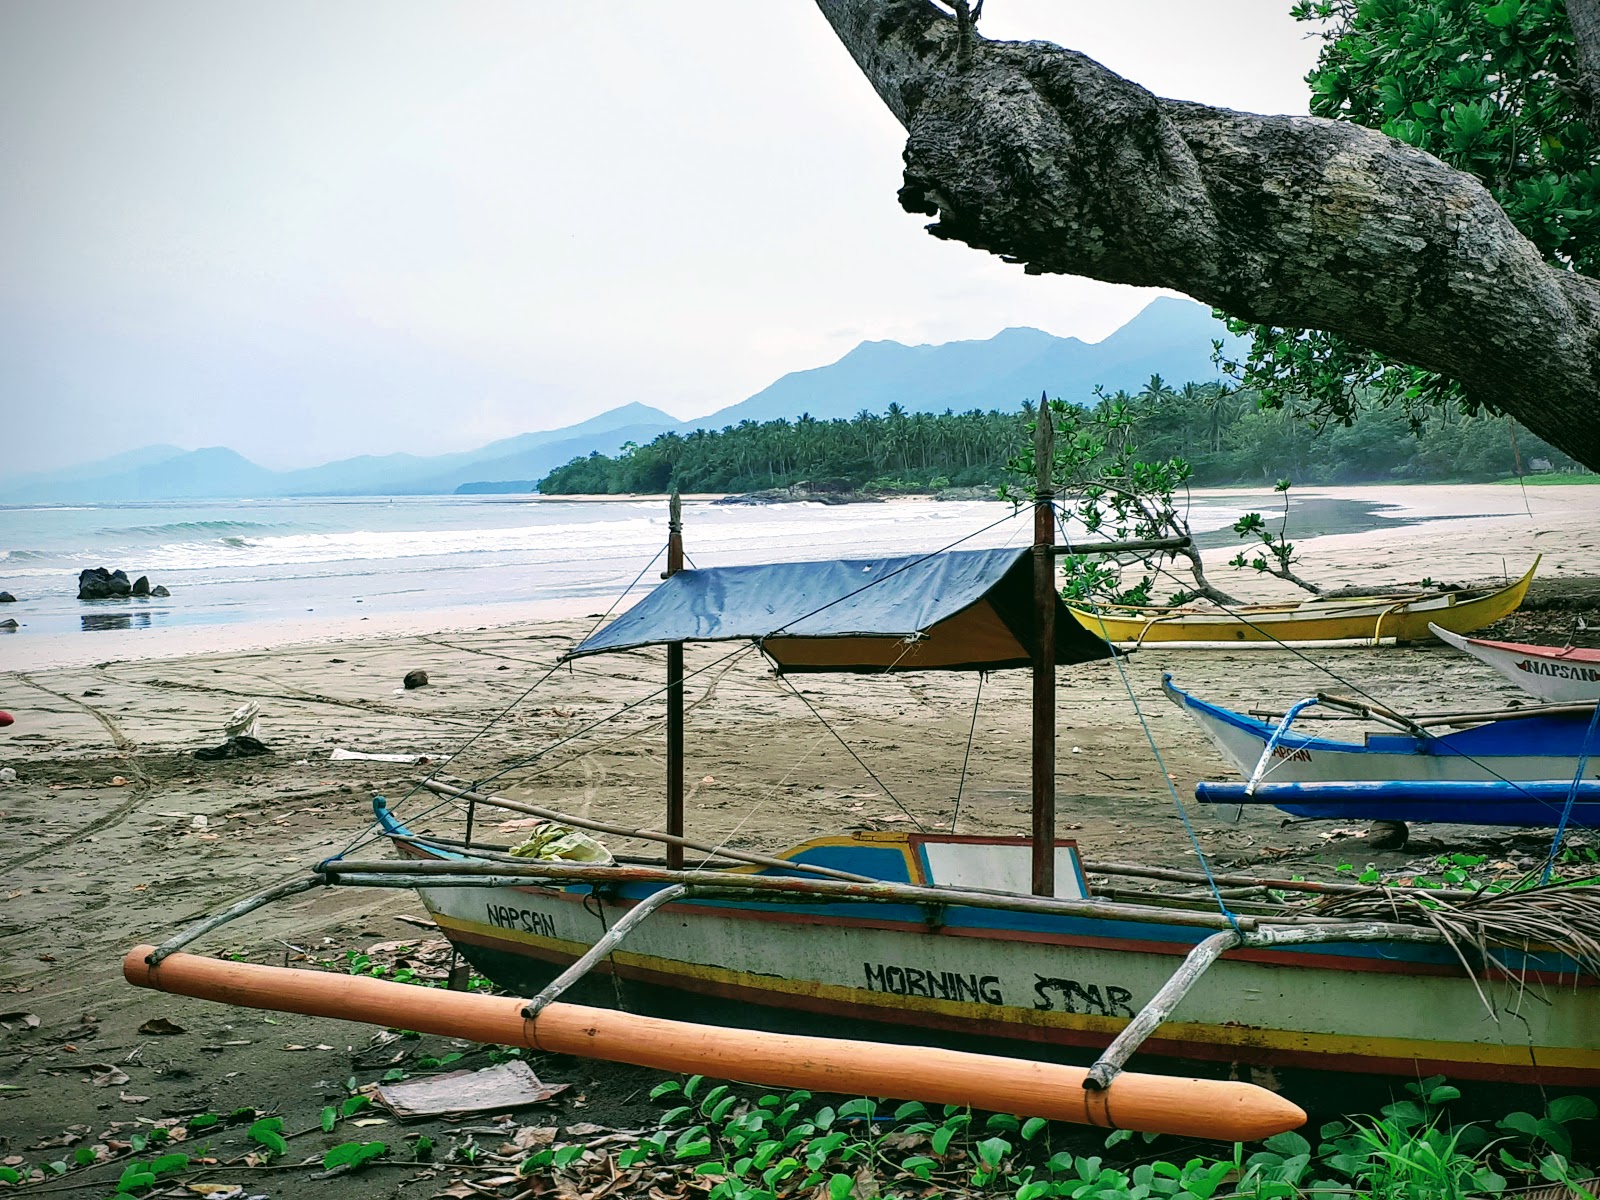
[89, 867]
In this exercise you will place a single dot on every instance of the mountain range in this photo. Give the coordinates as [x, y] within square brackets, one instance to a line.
[1169, 337]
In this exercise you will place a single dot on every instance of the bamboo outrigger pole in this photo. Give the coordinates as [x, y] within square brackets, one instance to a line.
[1044, 655]
[1208, 1108]
[674, 696]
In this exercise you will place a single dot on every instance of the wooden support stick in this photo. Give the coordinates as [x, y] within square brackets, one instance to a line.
[1044, 654]
[675, 696]
[1208, 1108]
[1109, 1065]
[233, 911]
[608, 942]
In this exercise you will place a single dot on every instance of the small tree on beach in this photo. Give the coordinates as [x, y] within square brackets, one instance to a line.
[1105, 486]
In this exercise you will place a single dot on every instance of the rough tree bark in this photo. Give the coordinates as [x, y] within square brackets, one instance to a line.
[1044, 157]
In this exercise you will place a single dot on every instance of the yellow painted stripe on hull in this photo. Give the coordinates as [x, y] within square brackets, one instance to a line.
[1362, 1046]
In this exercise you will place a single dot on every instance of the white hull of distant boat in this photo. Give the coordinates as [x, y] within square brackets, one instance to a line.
[1563, 674]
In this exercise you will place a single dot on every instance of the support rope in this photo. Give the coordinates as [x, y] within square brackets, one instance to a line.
[967, 757]
[859, 760]
[1572, 798]
[1155, 750]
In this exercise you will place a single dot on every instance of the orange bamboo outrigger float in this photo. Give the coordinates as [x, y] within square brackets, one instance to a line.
[1147, 1103]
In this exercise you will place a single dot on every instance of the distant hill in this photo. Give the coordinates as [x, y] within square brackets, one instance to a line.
[168, 473]
[1170, 337]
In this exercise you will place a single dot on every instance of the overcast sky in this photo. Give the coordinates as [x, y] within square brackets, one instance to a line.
[307, 229]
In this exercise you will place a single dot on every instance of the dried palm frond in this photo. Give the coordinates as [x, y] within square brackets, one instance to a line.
[1564, 917]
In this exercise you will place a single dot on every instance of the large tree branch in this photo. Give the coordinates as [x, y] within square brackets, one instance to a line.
[1046, 158]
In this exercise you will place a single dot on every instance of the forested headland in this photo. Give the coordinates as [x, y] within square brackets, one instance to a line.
[1224, 436]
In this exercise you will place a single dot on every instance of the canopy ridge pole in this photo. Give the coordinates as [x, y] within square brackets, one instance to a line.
[674, 695]
[1044, 654]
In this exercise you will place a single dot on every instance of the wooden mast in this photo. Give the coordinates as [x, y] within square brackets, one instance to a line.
[674, 696]
[1044, 655]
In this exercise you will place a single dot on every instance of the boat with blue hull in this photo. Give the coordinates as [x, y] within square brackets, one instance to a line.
[1537, 744]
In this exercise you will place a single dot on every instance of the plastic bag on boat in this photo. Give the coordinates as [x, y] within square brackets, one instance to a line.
[552, 841]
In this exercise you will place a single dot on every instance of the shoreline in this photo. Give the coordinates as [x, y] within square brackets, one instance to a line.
[1454, 533]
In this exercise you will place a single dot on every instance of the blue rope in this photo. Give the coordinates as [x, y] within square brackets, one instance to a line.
[1177, 802]
[1572, 798]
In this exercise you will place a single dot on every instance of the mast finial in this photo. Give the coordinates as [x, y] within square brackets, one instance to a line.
[1044, 447]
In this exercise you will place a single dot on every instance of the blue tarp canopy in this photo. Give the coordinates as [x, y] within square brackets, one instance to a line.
[959, 610]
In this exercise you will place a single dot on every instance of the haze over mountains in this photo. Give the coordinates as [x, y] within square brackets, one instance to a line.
[1170, 337]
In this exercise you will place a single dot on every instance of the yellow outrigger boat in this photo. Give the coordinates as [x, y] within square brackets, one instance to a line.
[1367, 620]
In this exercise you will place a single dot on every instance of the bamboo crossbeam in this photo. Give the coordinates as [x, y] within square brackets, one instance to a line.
[1207, 1108]
[413, 873]
[1176, 875]
[502, 853]
[423, 874]
[249, 904]
[550, 814]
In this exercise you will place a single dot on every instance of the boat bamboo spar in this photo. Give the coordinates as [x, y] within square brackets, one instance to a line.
[924, 935]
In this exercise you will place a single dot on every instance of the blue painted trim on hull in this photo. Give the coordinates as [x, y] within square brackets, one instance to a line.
[1463, 802]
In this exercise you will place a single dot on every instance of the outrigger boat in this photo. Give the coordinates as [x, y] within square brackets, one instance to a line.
[1560, 674]
[931, 936]
[1366, 620]
[1516, 767]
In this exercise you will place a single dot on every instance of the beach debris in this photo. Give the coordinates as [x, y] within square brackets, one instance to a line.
[415, 679]
[7, 598]
[105, 1074]
[161, 1027]
[552, 841]
[18, 1020]
[492, 1089]
[242, 746]
[8, 775]
[340, 754]
[119, 781]
[6, 719]
[1387, 835]
[244, 721]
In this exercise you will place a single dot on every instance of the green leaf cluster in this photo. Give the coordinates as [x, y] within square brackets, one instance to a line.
[1490, 88]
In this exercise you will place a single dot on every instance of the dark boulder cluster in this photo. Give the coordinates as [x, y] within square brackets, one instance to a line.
[97, 583]
[7, 598]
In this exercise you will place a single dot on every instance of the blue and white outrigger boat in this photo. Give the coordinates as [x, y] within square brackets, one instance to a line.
[1510, 767]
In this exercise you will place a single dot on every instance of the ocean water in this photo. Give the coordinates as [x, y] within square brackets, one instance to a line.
[338, 562]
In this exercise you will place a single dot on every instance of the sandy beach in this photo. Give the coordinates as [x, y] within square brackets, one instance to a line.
[115, 834]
